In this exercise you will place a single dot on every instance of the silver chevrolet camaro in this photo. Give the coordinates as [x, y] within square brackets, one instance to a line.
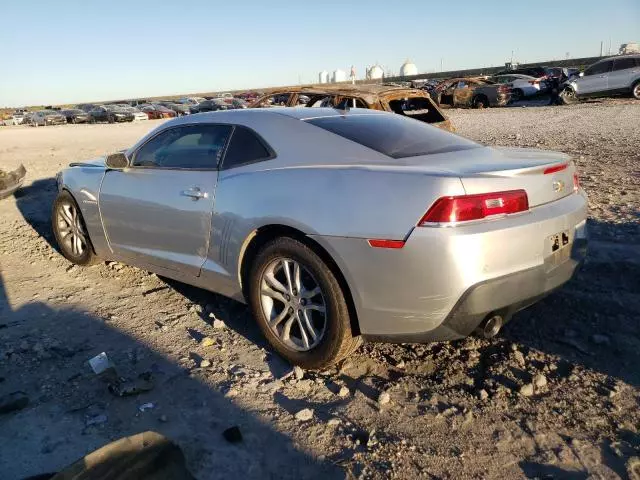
[333, 225]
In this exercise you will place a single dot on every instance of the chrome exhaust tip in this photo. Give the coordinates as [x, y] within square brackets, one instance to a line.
[490, 327]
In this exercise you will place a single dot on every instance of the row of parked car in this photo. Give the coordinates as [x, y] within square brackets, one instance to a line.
[609, 76]
[619, 75]
[128, 111]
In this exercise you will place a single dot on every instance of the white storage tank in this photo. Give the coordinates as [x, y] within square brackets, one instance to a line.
[408, 68]
[376, 72]
[339, 76]
[323, 77]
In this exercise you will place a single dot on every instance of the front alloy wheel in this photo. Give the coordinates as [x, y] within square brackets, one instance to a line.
[70, 231]
[636, 91]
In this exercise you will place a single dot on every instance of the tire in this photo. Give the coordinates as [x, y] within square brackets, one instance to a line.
[517, 95]
[92, 120]
[635, 91]
[70, 231]
[567, 96]
[480, 102]
[111, 119]
[73, 120]
[334, 339]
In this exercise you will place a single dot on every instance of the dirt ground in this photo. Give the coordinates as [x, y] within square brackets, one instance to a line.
[556, 395]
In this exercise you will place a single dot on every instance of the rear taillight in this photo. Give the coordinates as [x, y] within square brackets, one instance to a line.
[576, 182]
[466, 208]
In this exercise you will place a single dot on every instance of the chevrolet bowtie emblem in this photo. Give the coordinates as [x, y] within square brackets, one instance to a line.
[558, 186]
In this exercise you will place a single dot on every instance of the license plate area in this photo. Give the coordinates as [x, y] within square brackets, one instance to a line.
[558, 248]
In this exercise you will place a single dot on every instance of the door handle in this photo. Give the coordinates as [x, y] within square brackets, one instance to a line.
[195, 193]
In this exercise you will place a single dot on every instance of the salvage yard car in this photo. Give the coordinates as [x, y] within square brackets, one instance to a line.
[409, 102]
[75, 115]
[521, 85]
[109, 113]
[42, 118]
[155, 112]
[333, 225]
[612, 76]
[471, 92]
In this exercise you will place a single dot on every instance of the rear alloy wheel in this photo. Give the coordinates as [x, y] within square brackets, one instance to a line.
[480, 102]
[70, 231]
[517, 95]
[635, 91]
[299, 305]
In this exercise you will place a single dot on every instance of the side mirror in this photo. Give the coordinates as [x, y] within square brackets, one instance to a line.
[117, 161]
[581, 74]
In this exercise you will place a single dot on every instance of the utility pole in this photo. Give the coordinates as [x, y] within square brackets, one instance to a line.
[441, 64]
[601, 43]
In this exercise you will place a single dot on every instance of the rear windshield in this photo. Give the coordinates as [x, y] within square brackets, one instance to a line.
[393, 135]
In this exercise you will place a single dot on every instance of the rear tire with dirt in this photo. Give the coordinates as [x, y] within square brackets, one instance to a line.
[517, 95]
[299, 305]
[480, 101]
[70, 231]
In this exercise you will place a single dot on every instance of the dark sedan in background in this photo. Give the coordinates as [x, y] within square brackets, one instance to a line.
[109, 113]
[75, 115]
[210, 106]
[179, 108]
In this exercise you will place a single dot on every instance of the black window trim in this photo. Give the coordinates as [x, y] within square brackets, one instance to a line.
[265, 144]
[194, 124]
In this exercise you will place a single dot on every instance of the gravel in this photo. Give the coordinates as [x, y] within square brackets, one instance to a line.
[457, 411]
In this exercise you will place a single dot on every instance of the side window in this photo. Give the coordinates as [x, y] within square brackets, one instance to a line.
[245, 147]
[196, 147]
[598, 68]
[624, 63]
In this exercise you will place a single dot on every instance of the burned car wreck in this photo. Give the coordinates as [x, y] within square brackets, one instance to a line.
[410, 102]
[471, 92]
[11, 181]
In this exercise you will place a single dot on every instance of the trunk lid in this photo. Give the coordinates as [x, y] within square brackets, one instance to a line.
[545, 176]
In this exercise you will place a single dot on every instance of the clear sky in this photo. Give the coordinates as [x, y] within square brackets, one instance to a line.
[77, 50]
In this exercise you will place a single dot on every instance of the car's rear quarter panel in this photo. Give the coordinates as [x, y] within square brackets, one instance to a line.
[413, 289]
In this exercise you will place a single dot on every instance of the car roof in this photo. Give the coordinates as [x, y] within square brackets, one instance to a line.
[240, 115]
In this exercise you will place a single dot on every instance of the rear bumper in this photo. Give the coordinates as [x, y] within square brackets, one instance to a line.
[445, 281]
[504, 296]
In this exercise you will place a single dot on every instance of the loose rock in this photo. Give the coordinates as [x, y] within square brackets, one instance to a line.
[218, 324]
[526, 390]
[540, 381]
[344, 392]
[207, 342]
[298, 372]
[483, 394]
[384, 398]
[304, 415]
[205, 363]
